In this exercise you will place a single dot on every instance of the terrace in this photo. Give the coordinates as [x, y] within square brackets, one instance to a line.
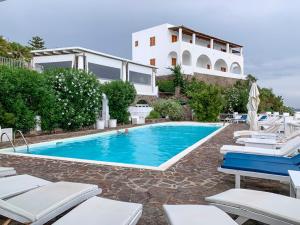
[188, 181]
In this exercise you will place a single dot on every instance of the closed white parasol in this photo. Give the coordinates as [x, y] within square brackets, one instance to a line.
[252, 107]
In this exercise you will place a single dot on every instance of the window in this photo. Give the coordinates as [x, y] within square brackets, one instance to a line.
[139, 78]
[152, 62]
[104, 72]
[136, 43]
[174, 62]
[174, 38]
[208, 66]
[223, 69]
[152, 41]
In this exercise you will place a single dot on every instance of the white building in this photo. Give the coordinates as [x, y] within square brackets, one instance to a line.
[105, 67]
[166, 45]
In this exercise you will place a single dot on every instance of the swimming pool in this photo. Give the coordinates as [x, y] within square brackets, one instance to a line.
[149, 146]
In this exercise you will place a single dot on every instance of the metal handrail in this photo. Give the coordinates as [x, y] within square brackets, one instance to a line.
[20, 132]
[9, 140]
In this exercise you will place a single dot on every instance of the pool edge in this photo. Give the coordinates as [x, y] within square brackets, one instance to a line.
[164, 166]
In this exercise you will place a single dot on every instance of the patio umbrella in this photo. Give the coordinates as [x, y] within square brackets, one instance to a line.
[252, 107]
[105, 110]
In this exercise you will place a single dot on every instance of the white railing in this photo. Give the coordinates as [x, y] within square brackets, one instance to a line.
[14, 62]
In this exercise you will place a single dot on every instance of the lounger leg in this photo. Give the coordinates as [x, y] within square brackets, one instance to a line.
[241, 220]
[237, 181]
[6, 222]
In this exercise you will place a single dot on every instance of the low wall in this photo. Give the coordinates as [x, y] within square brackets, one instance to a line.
[210, 79]
[148, 98]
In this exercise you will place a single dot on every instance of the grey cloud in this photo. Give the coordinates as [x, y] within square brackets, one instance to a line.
[267, 29]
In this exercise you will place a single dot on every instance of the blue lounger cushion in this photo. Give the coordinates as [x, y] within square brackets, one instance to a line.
[259, 166]
[295, 160]
[263, 118]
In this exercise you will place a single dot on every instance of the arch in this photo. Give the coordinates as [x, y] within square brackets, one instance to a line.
[235, 68]
[186, 58]
[142, 102]
[221, 65]
[203, 61]
[172, 59]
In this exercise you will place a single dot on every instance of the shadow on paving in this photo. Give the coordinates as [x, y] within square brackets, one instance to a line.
[189, 181]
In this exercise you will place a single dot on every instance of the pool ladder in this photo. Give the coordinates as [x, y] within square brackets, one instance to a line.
[14, 137]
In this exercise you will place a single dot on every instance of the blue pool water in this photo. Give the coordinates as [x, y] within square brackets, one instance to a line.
[148, 146]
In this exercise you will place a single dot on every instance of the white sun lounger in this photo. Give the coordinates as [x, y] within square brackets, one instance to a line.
[196, 215]
[7, 171]
[288, 148]
[15, 185]
[40, 205]
[96, 211]
[265, 141]
[261, 206]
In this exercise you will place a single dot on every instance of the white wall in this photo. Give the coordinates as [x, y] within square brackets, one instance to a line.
[56, 58]
[143, 53]
[106, 61]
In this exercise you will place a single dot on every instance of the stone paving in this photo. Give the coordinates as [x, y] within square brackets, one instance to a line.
[188, 181]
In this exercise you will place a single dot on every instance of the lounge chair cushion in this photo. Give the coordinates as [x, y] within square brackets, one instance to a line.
[14, 185]
[7, 171]
[259, 166]
[274, 205]
[46, 202]
[197, 215]
[295, 160]
[103, 211]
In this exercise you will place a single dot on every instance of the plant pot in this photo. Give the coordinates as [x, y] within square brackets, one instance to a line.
[100, 124]
[112, 123]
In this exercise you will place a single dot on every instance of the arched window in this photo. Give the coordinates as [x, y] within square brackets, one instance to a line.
[221, 65]
[203, 62]
[235, 68]
[186, 58]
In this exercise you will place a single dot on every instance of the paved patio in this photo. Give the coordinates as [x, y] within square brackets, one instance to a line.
[189, 181]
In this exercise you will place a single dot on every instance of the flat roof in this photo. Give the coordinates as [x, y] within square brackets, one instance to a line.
[187, 30]
[75, 50]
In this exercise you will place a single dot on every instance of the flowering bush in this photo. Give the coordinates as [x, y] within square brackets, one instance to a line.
[169, 108]
[236, 99]
[78, 95]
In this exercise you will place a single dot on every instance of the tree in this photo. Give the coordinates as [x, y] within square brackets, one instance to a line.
[179, 82]
[205, 99]
[120, 96]
[36, 43]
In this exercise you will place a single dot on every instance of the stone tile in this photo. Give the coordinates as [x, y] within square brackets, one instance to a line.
[188, 181]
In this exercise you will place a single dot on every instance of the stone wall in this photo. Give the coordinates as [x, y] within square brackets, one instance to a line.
[221, 81]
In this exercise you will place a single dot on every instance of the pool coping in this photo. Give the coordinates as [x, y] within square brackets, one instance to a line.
[162, 167]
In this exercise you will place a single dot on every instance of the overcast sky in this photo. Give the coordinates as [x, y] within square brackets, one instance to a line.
[269, 29]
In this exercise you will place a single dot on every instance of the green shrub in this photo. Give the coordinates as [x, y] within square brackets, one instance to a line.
[166, 86]
[205, 100]
[25, 94]
[78, 95]
[169, 108]
[120, 96]
[154, 115]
